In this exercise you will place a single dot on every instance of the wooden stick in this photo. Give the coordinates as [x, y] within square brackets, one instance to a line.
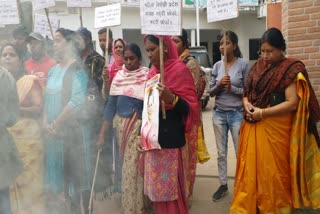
[16, 195]
[107, 49]
[81, 22]
[225, 58]
[93, 181]
[163, 108]
[105, 86]
[49, 23]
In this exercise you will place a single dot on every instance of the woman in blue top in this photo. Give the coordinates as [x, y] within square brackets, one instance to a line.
[65, 167]
[124, 108]
[227, 82]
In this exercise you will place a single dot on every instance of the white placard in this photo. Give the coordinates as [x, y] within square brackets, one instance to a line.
[218, 10]
[42, 4]
[79, 3]
[9, 12]
[248, 3]
[135, 3]
[41, 25]
[107, 16]
[161, 17]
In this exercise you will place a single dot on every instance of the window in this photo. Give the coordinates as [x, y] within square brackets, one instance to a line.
[254, 46]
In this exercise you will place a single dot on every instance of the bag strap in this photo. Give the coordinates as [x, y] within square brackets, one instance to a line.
[67, 83]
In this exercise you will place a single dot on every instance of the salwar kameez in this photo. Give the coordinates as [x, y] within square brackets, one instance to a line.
[127, 134]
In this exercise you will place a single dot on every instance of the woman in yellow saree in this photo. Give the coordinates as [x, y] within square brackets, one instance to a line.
[278, 166]
[27, 192]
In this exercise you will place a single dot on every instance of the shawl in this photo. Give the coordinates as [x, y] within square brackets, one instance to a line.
[178, 79]
[116, 65]
[263, 80]
[130, 83]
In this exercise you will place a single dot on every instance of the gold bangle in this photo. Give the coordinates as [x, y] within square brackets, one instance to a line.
[261, 112]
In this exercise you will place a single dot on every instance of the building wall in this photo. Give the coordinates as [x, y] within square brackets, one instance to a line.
[301, 28]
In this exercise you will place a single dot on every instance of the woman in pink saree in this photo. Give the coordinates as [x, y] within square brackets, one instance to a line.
[165, 169]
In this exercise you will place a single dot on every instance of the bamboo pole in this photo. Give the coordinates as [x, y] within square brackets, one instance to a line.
[49, 23]
[81, 22]
[94, 181]
[105, 86]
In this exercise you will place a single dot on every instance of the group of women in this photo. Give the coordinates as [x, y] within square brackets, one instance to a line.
[278, 137]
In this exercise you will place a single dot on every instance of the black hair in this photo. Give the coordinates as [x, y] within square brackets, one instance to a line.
[104, 30]
[234, 39]
[21, 30]
[274, 37]
[134, 48]
[74, 39]
[11, 45]
[184, 38]
[152, 39]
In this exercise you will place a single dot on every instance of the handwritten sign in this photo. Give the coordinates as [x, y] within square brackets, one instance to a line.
[218, 10]
[160, 17]
[107, 16]
[79, 3]
[42, 4]
[9, 12]
[41, 25]
[248, 3]
[131, 2]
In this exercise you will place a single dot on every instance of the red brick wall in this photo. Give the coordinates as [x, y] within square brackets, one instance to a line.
[301, 28]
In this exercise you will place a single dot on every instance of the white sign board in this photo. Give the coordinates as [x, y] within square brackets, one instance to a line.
[248, 3]
[41, 25]
[218, 10]
[9, 12]
[161, 17]
[107, 16]
[135, 3]
[42, 4]
[79, 3]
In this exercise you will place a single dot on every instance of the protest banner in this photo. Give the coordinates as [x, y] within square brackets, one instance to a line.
[42, 4]
[107, 16]
[218, 10]
[79, 3]
[41, 25]
[161, 17]
[131, 3]
[150, 116]
[9, 12]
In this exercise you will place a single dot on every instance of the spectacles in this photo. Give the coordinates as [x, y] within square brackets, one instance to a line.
[266, 53]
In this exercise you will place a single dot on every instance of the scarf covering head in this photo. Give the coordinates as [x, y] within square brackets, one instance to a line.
[116, 65]
[129, 83]
[178, 79]
[263, 80]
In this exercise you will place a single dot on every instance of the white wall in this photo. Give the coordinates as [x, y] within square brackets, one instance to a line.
[246, 26]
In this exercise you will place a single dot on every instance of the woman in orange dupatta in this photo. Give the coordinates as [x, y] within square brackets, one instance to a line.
[278, 137]
[165, 170]
[26, 194]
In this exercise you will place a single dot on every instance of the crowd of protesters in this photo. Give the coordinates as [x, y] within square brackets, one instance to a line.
[62, 107]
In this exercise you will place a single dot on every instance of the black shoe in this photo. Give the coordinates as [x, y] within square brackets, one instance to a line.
[223, 189]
